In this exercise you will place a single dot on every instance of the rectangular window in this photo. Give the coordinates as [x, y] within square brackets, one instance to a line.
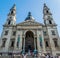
[9, 22]
[3, 42]
[12, 42]
[50, 22]
[14, 33]
[55, 42]
[53, 32]
[45, 33]
[6, 32]
[46, 44]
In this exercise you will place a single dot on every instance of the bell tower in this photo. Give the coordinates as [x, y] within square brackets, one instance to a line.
[51, 30]
[47, 16]
[11, 18]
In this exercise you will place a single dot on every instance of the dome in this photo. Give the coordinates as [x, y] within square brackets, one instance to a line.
[29, 17]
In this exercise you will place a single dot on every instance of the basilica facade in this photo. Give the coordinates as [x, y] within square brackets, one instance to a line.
[30, 35]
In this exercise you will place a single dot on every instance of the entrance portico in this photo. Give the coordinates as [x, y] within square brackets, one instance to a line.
[29, 42]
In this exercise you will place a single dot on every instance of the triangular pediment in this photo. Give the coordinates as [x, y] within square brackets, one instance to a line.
[28, 23]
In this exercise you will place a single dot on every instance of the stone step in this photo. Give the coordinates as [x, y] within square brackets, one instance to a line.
[28, 56]
[11, 57]
[31, 57]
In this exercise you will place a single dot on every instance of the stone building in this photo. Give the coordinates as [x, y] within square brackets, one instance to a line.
[30, 35]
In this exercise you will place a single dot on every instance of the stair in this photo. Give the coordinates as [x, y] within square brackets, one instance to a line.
[29, 56]
[10, 57]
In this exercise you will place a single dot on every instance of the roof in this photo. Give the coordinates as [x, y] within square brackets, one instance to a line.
[29, 17]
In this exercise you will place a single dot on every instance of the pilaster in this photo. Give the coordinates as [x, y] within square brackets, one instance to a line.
[7, 45]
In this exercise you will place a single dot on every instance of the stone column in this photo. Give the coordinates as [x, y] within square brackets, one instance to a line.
[38, 42]
[24, 43]
[34, 43]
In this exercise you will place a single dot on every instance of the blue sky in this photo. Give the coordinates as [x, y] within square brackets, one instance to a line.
[34, 6]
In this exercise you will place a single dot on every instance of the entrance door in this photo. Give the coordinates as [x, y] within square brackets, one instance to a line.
[29, 41]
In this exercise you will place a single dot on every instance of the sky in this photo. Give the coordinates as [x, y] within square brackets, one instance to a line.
[34, 6]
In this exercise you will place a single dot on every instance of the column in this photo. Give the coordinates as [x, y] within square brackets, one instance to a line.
[34, 43]
[24, 43]
[35, 50]
[23, 51]
[38, 45]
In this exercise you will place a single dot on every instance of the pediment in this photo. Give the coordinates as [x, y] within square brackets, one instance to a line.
[29, 23]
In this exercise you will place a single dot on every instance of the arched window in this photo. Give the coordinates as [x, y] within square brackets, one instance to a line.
[11, 12]
[47, 11]
[50, 22]
[9, 22]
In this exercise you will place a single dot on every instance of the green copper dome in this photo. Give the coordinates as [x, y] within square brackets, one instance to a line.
[29, 17]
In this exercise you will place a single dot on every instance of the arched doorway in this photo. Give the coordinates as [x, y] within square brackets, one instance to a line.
[29, 41]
